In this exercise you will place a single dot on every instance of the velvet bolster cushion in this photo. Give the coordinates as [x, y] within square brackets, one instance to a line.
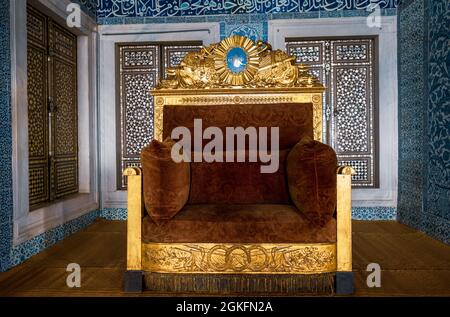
[311, 172]
[166, 183]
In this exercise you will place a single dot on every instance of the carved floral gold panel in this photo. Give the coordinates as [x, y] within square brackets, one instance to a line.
[239, 258]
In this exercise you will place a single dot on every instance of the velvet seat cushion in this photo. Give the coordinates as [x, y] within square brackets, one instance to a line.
[166, 183]
[264, 223]
[311, 172]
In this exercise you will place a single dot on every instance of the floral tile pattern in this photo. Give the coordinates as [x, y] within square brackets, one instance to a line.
[6, 205]
[113, 213]
[424, 120]
[374, 213]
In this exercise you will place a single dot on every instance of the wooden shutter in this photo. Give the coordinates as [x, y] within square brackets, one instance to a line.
[52, 109]
[63, 111]
[38, 129]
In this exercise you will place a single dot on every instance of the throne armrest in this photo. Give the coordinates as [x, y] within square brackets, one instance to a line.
[344, 218]
[135, 214]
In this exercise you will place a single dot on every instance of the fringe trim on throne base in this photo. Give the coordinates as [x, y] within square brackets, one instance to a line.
[267, 284]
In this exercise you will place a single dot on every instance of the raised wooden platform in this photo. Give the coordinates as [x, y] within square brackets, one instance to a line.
[412, 263]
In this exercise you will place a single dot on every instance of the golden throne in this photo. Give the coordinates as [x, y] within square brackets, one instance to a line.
[242, 235]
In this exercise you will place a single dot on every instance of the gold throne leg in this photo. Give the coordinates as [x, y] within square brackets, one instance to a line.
[344, 274]
[134, 275]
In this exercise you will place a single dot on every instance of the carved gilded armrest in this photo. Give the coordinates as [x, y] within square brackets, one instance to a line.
[344, 218]
[134, 223]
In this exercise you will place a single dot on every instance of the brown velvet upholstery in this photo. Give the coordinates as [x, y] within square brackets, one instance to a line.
[311, 171]
[238, 183]
[215, 183]
[165, 183]
[294, 120]
[264, 223]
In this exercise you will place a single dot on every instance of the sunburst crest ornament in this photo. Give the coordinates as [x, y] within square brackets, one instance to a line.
[237, 60]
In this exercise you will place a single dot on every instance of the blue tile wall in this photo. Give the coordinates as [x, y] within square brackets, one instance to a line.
[424, 120]
[113, 213]
[88, 6]
[374, 213]
[412, 112]
[438, 124]
[5, 138]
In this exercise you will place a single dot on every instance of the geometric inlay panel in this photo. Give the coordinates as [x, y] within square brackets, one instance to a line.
[140, 66]
[52, 109]
[139, 71]
[347, 66]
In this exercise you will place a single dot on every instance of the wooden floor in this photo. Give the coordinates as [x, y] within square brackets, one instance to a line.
[411, 262]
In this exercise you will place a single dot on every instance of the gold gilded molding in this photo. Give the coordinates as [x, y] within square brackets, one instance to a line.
[227, 258]
[255, 96]
[158, 121]
[259, 67]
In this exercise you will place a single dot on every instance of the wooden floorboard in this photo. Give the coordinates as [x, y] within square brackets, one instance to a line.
[412, 263]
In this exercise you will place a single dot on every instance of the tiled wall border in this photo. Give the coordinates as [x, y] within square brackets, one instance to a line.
[358, 213]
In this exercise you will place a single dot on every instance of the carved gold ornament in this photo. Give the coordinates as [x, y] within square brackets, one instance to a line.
[239, 258]
[238, 62]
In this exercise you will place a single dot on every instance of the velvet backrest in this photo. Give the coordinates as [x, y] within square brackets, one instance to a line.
[242, 182]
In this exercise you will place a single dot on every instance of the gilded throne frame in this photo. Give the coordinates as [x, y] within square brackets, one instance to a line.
[273, 78]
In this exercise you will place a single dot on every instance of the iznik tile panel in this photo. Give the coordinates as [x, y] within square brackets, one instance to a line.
[167, 8]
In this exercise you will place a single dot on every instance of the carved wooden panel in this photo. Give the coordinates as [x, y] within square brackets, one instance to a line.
[348, 68]
[139, 67]
[52, 109]
[62, 48]
[38, 141]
